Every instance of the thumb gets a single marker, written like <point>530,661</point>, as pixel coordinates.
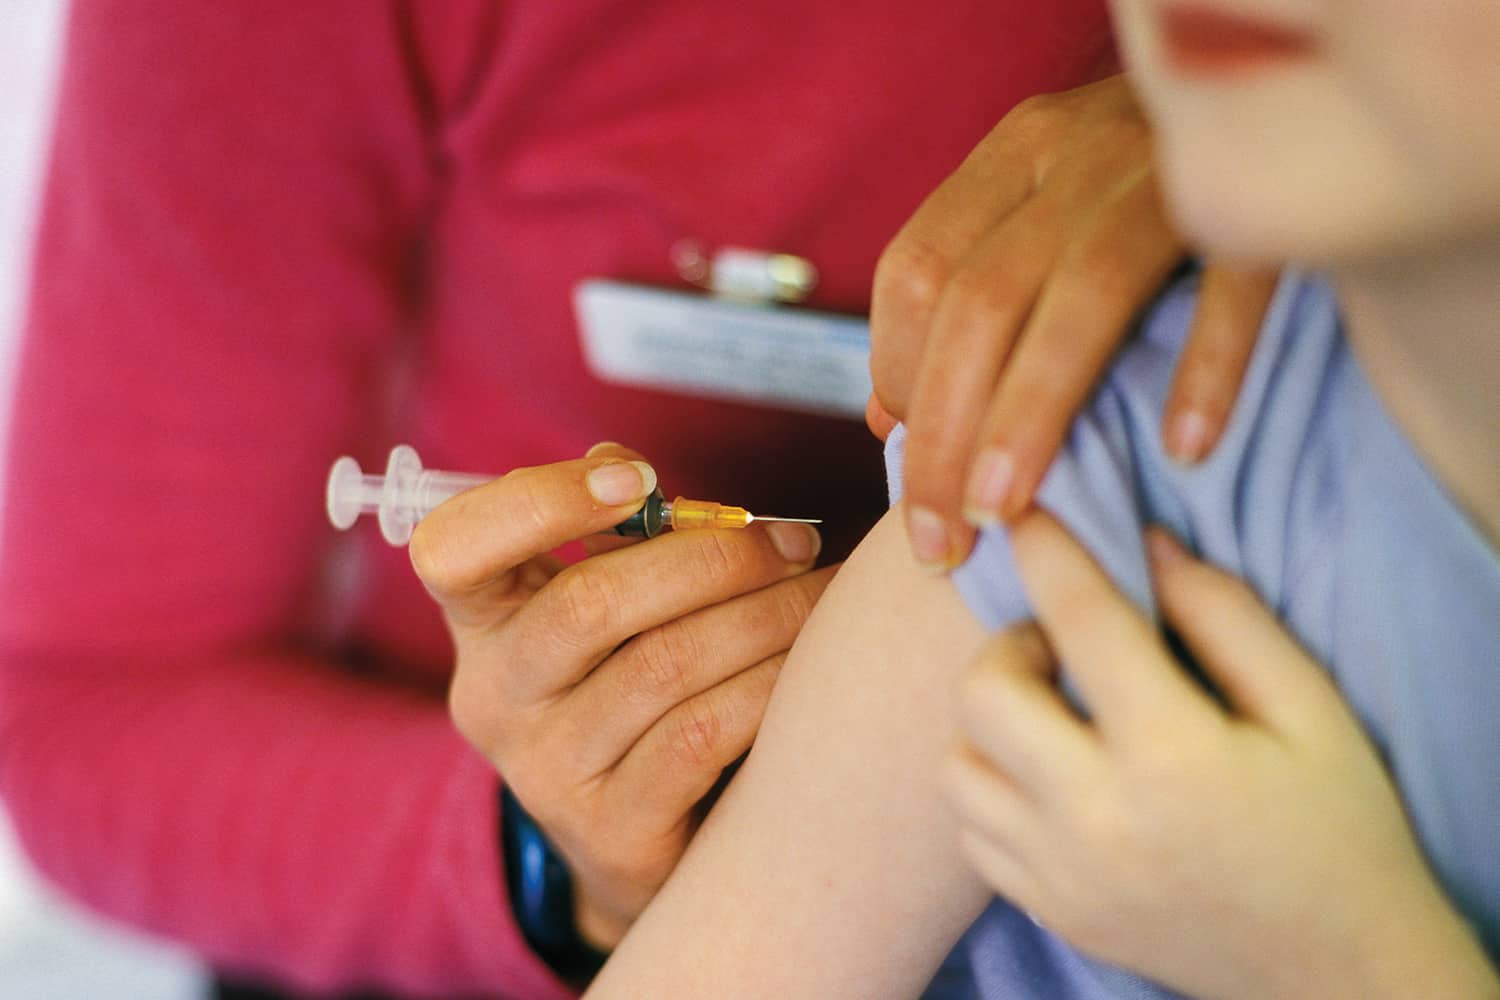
<point>1247,653</point>
<point>604,541</point>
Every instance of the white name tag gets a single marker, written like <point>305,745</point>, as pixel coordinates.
<point>721,349</point>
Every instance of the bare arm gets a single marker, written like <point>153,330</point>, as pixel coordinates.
<point>830,868</point>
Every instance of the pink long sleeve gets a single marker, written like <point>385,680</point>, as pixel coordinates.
<point>233,204</point>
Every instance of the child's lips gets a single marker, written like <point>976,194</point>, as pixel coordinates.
<point>1204,42</point>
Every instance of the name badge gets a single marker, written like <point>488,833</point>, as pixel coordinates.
<point>747,352</point>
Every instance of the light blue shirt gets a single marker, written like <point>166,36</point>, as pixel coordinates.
<point>1317,500</point>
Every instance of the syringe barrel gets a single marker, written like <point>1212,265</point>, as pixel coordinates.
<point>433,487</point>
<point>411,492</point>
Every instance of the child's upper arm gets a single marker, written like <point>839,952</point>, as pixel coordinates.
<point>830,867</point>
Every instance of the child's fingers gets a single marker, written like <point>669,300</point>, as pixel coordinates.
<point>1112,653</point>
<point>1010,710</point>
<point>999,824</point>
<point>1239,643</point>
<point>1002,870</point>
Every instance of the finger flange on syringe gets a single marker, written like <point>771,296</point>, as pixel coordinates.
<point>407,493</point>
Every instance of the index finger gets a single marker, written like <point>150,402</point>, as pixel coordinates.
<point>1112,652</point>
<point>471,542</point>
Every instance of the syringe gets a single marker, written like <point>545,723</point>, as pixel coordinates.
<point>407,493</point>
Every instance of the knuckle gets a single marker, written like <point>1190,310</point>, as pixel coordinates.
<point>980,301</point>
<point>794,603</point>
<point>1098,278</point>
<point>660,664</point>
<point>466,709</point>
<point>698,731</point>
<point>583,600</point>
<point>721,555</point>
<point>1194,585</point>
<point>934,461</point>
<point>1123,131</point>
<point>1036,411</point>
<point>910,275</point>
<point>1035,115</point>
<point>1210,363</point>
<point>528,508</point>
<point>436,558</point>
<point>1081,598</point>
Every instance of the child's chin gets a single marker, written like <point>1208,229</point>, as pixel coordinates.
<point>1237,221</point>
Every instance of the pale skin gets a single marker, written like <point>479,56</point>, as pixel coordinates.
<point>830,868</point>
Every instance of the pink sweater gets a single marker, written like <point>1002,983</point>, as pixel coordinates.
<point>277,231</point>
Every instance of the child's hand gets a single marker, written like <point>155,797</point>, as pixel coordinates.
<point>1257,850</point>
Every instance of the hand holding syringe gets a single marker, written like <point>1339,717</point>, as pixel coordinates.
<point>610,691</point>
<point>407,493</point>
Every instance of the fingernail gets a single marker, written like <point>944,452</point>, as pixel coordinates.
<point>929,538</point>
<point>989,485</point>
<point>596,449</point>
<point>1163,550</point>
<point>797,543</point>
<point>621,482</point>
<point>1187,437</point>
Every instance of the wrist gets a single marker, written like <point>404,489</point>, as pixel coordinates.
<point>541,896</point>
<point>1429,952</point>
<point>600,929</point>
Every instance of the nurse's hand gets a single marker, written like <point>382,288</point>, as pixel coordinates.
<point>998,305</point>
<point>610,694</point>
<point>1250,848</point>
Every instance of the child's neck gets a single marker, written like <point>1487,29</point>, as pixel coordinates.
<point>1427,332</point>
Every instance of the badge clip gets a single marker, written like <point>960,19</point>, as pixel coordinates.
<point>744,274</point>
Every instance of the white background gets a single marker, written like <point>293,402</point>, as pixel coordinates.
<point>49,949</point>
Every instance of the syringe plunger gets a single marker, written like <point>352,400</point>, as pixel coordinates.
<point>400,498</point>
